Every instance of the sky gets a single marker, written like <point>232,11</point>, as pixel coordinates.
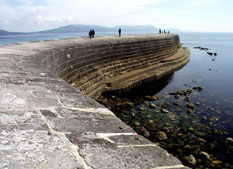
<point>187,15</point>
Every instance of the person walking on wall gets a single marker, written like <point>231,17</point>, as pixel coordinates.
<point>93,33</point>
<point>119,31</point>
<point>90,34</point>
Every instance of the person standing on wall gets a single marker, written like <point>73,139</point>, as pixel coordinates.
<point>119,31</point>
<point>90,34</point>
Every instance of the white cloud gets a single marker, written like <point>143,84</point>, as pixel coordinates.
<point>34,15</point>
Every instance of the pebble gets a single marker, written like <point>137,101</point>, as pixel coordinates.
<point>191,160</point>
<point>205,155</point>
<point>187,99</point>
<point>189,111</point>
<point>164,111</point>
<point>190,105</point>
<point>152,105</point>
<point>177,96</point>
<point>141,109</point>
<point>176,103</point>
<point>229,139</point>
<point>161,135</point>
<point>197,103</point>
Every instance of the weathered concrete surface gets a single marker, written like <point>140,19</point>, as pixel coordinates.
<point>46,123</point>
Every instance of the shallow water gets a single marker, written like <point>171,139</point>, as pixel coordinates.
<point>204,132</point>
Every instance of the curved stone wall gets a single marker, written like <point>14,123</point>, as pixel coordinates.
<point>47,123</point>
<point>87,64</point>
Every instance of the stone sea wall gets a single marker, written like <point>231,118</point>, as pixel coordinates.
<point>87,64</point>
<point>47,123</point>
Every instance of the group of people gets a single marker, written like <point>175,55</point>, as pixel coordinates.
<point>91,33</point>
<point>163,32</point>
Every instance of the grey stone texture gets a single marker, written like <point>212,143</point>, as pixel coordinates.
<point>47,123</point>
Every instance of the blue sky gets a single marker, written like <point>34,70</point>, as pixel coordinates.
<point>188,15</point>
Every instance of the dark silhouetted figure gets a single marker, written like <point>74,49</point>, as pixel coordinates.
<point>90,34</point>
<point>168,32</point>
<point>119,31</point>
<point>93,33</point>
<point>160,31</point>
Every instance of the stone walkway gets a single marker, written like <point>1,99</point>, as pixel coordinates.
<point>46,123</point>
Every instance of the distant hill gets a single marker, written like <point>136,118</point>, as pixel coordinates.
<point>6,33</point>
<point>97,28</point>
<point>85,28</point>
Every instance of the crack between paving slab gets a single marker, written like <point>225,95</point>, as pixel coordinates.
<point>137,145</point>
<point>92,110</point>
<point>72,148</point>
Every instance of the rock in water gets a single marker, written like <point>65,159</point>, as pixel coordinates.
<point>152,105</point>
<point>191,160</point>
<point>161,135</point>
<point>229,139</point>
<point>141,109</point>
<point>205,155</point>
<point>164,111</point>
<point>190,105</point>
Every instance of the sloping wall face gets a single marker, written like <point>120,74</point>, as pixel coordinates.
<point>88,63</point>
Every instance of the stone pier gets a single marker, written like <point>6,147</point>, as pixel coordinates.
<point>48,121</point>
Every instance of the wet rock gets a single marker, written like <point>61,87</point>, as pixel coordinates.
<point>131,104</point>
<point>217,162</point>
<point>136,123</point>
<point>229,139</point>
<point>152,105</point>
<point>205,155</point>
<point>152,98</point>
<point>197,103</point>
<point>190,90</point>
<point>198,88</point>
<point>190,105</point>
<point>167,124</point>
<point>215,54</point>
<point>213,119</point>
<point>151,121</point>
<point>177,96</point>
<point>145,132</point>
<point>202,140</point>
<point>161,135</point>
<point>172,118</point>
<point>113,97</point>
<point>164,111</point>
<point>191,160</point>
<point>188,147</point>
<point>166,105</point>
<point>165,129</point>
<point>176,103</point>
<point>141,109</point>
<point>210,53</point>
<point>187,99</point>
<point>204,118</point>
<point>189,111</point>
<point>180,92</point>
